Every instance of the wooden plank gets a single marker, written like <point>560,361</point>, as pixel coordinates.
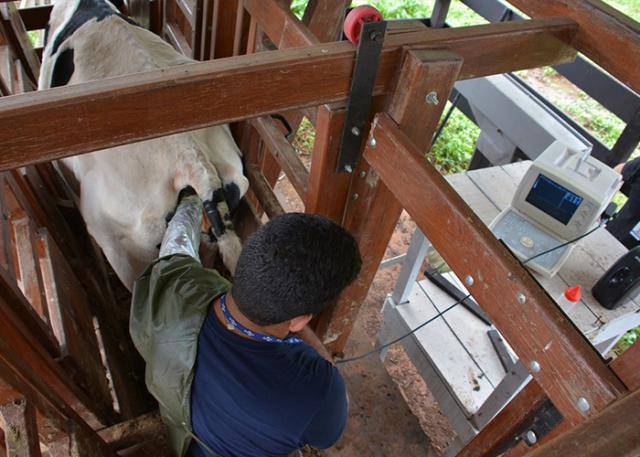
<point>192,96</point>
<point>29,368</point>
<point>285,154</point>
<point>76,323</point>
<point>264,192</point>
<point>35,18</point>
<point>606,35</point>
<point>612,432</point>
<point>224,28</point>
<point>12,27</point>
<point>20,429</point>
<point>26,266</point>
<point>507,424</point>
<point>324,18</point>
<point>537,330</point>
<point>627,367</point>
<point>129,433</point>
<point>372,216</point>
<point>328,190</point>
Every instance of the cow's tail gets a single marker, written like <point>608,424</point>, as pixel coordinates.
<point>222,228</point>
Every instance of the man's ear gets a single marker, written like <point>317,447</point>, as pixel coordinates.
<point>297,323</point>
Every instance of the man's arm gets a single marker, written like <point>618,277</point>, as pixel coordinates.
<point>183,231</point>
<point>308,336</point>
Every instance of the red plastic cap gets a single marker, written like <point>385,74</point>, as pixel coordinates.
<point>573,294</point>
<point>358,16</point>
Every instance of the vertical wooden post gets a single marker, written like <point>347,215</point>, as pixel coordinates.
<point>328,190</point>
<point>20,429</point>
<point>372,212</point>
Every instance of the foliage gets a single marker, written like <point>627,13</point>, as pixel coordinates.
<point>627,340</point>
<point>453,149</point>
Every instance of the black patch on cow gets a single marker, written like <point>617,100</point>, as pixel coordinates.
<point>118,4</point>
<point>63,69</point>
<point>46,34</point>
<point>86,11</point>
<point>232,195</point>
<point>218,195</point>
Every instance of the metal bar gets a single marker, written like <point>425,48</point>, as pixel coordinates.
<point>455,293</point>
<point>411,265</point>
<point>359,101</point>
<point>439,13</point>
<point>498,345</point>
<point>608,91</point>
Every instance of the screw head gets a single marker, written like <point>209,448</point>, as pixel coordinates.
<point>348,168</point>
<point>432,98</point>
<point>535,366</point>
<point>363,174</point>
<point>373,143</point>
<point>583,405</point>
<point>531,438</point>
<point>468,280</point>
<point>355,131</point>
<point>522,299</point>
<point>375,35</point>
<point>355,196</point>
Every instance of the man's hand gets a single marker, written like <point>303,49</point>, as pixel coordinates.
<point>308,336</point>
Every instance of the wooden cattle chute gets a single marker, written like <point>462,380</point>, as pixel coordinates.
<point>281,65</point>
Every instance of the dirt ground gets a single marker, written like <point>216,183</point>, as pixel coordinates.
<point>392,412</point>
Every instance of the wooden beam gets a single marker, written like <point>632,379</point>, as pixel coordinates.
<point>525,315</point>
<point>30,369</point>
<point>13,29</point>
<point>36,18</point>
<point>177,99</point>
<point>328,190</point>
<point>612,432</point>
<point>498,434</point>
<point>627,367</point>
<point>373,211</point>
<point>285,154</point>
<point>263,191</point>
<point>606,35</point>
<point>20,429</point>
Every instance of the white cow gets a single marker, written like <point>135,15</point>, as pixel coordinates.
<point>126,192</point>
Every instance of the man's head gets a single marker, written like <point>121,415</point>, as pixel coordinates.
<point>293,266</point>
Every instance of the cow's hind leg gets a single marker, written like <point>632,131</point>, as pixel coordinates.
<point>205,180</point>
<point>217,211</point>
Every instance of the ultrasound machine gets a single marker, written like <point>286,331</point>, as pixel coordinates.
<point>560,198</point>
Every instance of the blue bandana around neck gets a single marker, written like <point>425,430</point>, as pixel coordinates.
<point>234,324</point>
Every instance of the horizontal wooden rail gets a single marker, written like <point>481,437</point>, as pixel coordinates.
<point>284,153</point>
<point>525,315</point>
<point>71,120</point>
<point>606,35</point>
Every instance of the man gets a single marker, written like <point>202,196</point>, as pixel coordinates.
<point>235,369</point>
<point>626,225</point>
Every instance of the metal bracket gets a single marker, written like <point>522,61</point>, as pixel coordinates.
<point>541,422</point>
<point>359,103</point>
<point>451,290</point>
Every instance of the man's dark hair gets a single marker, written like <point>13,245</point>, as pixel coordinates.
<point>296,264</point>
